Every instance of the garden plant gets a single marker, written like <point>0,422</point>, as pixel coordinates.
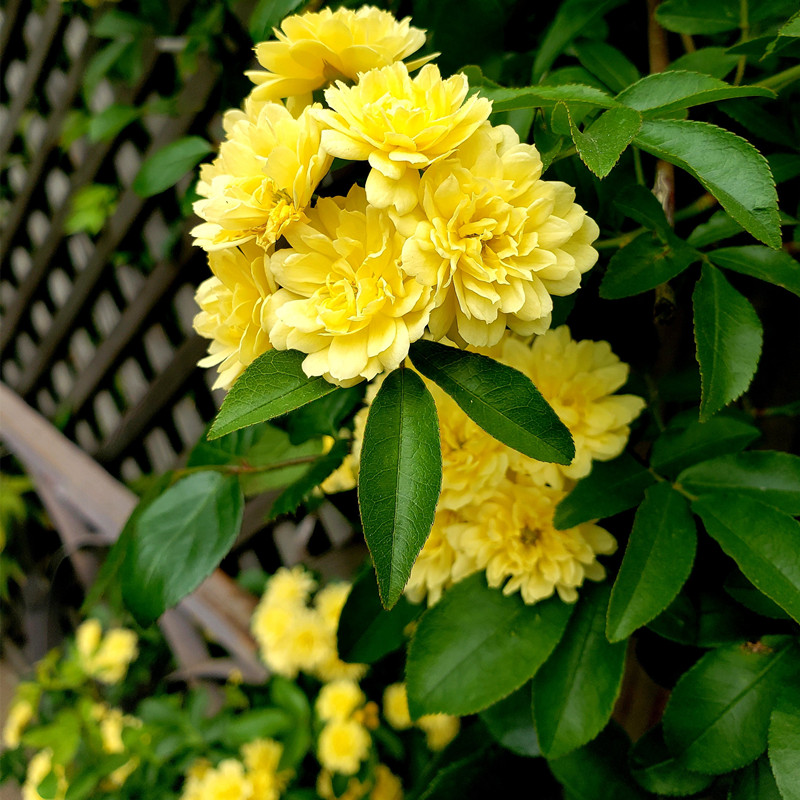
<point>516,289</point>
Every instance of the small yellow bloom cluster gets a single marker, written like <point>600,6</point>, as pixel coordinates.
<point>344,741</point>
<point>255,776</point>
<point>383,785</point>
<point>454,233</point>
<point>22,711</point>
<point>495,511</point>
<point>39,767</point>
<point>105,658</point>
<point>112,723</point>
<point>296,635</point>
<point>439,729</point>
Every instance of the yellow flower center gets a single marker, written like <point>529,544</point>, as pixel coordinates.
<point>281,211</point>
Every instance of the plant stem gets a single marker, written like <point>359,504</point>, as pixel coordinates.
<point>617,241</point>
<point>780,80</point>
<point>243,469</point>
<point>744,24</point>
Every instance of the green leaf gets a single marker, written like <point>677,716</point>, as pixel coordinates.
<point>90,207</point>
<point>773,266</point>
<point>500,399</point>
<point>460,668</point>
<point>167,166</point>
<point>699,16</point>
<point>680,447</point>
<point>109,122</point>
<point>541,96</point>
<point>728,166</point>
<point>764,475</point>
<point>62,735</point>
<point>324,416</point>
<point>760,539</point>
<point>572,17</point>
<point>641,204</point>
<point>784,742</point>
<point>607,63</point>
<point>599,770</point>
<point>719,226</point>
<point>673,90</point>
<point>367,631</point>
<point>658,771</point>
<point>399,478</point>
<point>192,525</point>
<point>116,24</point>
<point>728,335</point>
<point>717,716</point>
<point>100,64</point>
<point>714,61</point>
<point>602,143</point>
<point>743,591</point>
<point>657,561</point>
<point>575,689</point>
<point>297,492</point>
<point>643,264</point>
<point>48,786</point>
<point>755,782</point>
<point>286,694</point>
<point>272,385</point>
<point>268,14</point>
<point>510,721</point>
<point>609,488</point>
<point>789,30</point>
<point>256,724</point>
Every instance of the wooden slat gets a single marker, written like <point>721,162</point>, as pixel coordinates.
<point>160,394</point>
<point>33,176</point>
<point>85,287</point>
<point>42,52</point>
<point>8,31</point>
<point>135,317</point>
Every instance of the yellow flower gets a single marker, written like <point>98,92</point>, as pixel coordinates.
<point>355,789</point>
<point>339,700</point>
<point>401,125</point>
<point>395,706</point>
<point>578,379</point>
<point>494,240</point>
<point>105,658</point>
<point>225,782</point>
<point>263,178</point>
<point>511,536</point>
<point>440,729</point>
<point>343,745</point>
<point>314,49</point>
<point>387,785</point>
<point>262,757</point>
<point>235,310</point>
<point>39,767</point>
<point>433,571</point>
<point>346,300</point>
<point>18,717</point>
<point>290,586</point>
<point>195,775</point>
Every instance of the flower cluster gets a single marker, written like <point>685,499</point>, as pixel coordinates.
<point>454,233</point>
<point>296,635</point>
<point>495,511</point>
<point>254,776</point>
<point>344,741</point>
<point>105,657</point>
<point>439,729</point>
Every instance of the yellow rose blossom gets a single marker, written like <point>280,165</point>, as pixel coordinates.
<point>346,301</point>
<point>439,729</point>
<point>290,585</point>
<point>400,125</point>
<point>339,700</point>
<point>433,570</point>
<point>39,767</point>
<point>236,304</point>
<point>494,240</point>
<point>193,785</point>
<point>387,785</point>
<point>226,781</point>
<point>261,758</point>
<point>395,706</point>
<point>578,379</point>
<point>342,746</point>
<point>20,714</point>
<point>263,178</point>
<point>511,536</point>
<point>306,641</point>
<point>105,658</point>
<point>355,789</point>
<point>314,49</point>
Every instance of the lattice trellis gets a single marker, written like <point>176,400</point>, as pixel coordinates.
<point>96,330</point>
